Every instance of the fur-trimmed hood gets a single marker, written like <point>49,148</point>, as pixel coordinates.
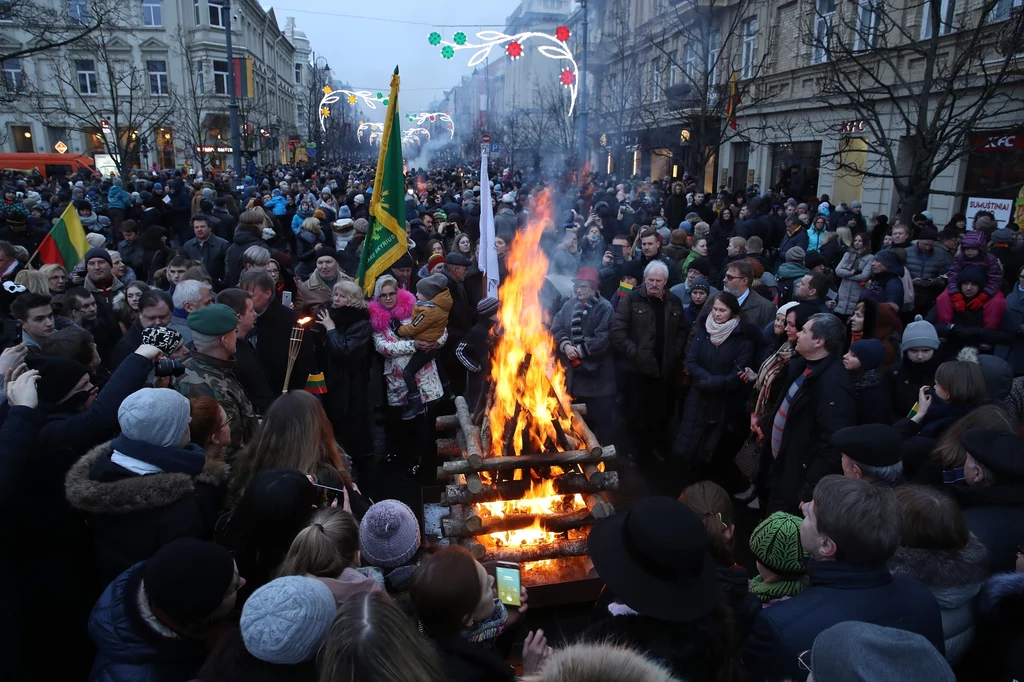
<point>380,317</point>
<point>1002,593</point>
<point>134,493</point>
<point>940,568</point>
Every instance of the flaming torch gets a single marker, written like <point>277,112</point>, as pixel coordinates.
<point>294,343</point>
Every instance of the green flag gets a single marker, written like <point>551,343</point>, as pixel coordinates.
<point>386,240</point>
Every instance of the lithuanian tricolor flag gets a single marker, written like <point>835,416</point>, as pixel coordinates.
<point>66,244</point>
<point>316,384</point>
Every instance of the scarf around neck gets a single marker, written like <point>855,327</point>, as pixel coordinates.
<point>767,592</point>
<point>720,332</point>
<point>188,460</point>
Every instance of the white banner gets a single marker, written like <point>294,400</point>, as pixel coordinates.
<point>1000,208</point>
<point>487,255</point>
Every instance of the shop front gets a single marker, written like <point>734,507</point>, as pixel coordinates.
<point>995,170</point>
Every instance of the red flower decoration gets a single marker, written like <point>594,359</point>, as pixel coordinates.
<point>514,49</point>
<point>431,119</point>
<point>567,77</point>
<point>562,33</point>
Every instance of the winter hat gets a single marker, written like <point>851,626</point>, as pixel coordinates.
<point>487,307</point>
<point>795,255</point>
<point>701,265</point>
<point>786,307</point>
<point>285,621</point>
<point>57,376</point>
<point>928,233</point>
<point>813,260</point>
<point>635,269</point>
<point>775,542</point>
<point>362,225</point>
<point>96,240</point>
<point>156,186</point>
<point>928,216</point>
<point>389,534</point>
<point>359,199</point>
<point>429,287</point>
<point>82,204</point>
<point>975,239</point>
<point>920,334</point>
<point>207,193</point>
<point>158,416</point>
<point>870,352</point>
<point>701,284</point>
<point>686,226</point>
<point>165,339</point>
<point>974,273</point>
<point>823,208</point>
<point>855,204</point>
<point>1002,236</point>
<point>434,261</point>
<point>187,579</point>
<point>854,651</point>
<point>344,211</point>
<point>97,253</point>
<point>405,261</point>
<point>889,259</point>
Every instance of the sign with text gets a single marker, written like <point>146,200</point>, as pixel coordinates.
<point>1000,208</point>
<point>999,142</point>
<point>849,127</point>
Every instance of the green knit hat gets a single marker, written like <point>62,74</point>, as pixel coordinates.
<point>775,542</point>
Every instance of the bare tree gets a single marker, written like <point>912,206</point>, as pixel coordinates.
<point>46,32</point>
<point>195,100</point>
<point>699,47</point>
<point>109,95</point>
<point>920,80</point>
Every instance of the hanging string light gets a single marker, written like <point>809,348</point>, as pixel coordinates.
<point>433,116</point>
<point>332,96</point>
<point>514,47</point>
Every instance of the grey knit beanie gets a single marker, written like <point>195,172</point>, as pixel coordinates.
<point>862,652</point>
<point>158,416</point>
<point>389,534</point>
<point>285,621</point>
<point>920,334</point>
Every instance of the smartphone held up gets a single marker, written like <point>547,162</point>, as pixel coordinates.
<point>509,581</point>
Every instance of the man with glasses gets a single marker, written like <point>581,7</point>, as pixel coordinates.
<point>851,528</point>
<point>648,330</point>
<point>754,308</point>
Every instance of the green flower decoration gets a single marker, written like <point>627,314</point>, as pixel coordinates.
<point>434,38</point>
<point>385,102</point>
<point>380,95</point>
<point>447,51</point>
<point>460,38</point>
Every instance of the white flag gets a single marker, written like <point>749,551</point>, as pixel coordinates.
<point>487,255</point>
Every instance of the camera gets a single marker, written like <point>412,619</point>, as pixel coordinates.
<point>167,367</point>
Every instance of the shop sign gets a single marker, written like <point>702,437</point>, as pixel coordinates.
<point>1000,142</point>
<point>1000,208</point>
<point>209,149</point>
<point>850,127</point>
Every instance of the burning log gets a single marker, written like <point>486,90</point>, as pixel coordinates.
<point>448,447</point>
<point>474,450</point>
<point>600,479</point>
<point>580,408</point>
<point>446,422</point>
<point>584,431</point>
<point>555,550</point>
<point>454,526</point>
<point>471,480</point>
<point>599,505</point>
<point>525,461</point>
<point>475,548</point>
<point>566,484</point>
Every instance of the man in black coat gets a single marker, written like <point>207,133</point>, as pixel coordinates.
<point>650,250</point>
<point>461,318</point>
<point>818,401</point>
<point>208,249</point>
<point>247,364</point>
<point>851,529</point>
<point>155,310</point>
<point>272,334</point>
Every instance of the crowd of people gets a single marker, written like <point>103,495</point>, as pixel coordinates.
<point>188,491</point>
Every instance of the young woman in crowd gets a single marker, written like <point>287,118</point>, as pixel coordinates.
<point>853,270</point>
<point>714,507</point>
<point>56,278</point>
<point>328,549</point>
<point>937,548</point>
<point>210,427</point>
<point>126,304</point>
<point>712,427</point>
<point>871,320</point>
<point>342,355</point>
<point>455,603</point>
<point>920,343</point>
<point>371,640</point>
<point>699,250</point>
<point>296,434</point>
<point>33,280</point>
<point>862,361</point>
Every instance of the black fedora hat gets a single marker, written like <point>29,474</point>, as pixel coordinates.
<point>655,560</point>
<point>1000,452</point>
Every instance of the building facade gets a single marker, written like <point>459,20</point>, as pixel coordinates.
<point>152,84</point>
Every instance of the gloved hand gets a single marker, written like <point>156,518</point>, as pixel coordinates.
<point>394,323</point>
<point>958,302</point>
<point>978,302</point>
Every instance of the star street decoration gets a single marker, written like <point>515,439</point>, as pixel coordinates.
<point>375,130</point>
<point>332,96</point>
<point>433,116</point>
<point>514,47</point>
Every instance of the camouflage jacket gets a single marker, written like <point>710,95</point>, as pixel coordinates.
<point>210,377</point>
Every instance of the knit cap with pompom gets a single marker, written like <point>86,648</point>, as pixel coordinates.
<point>389,534</point>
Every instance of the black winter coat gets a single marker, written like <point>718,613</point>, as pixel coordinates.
<point>838,592</point>
<point>213,255</point>
<point>873,405</point>
<point>243,239</point>
<point>996,515</point>
<point>904,381</point>
<point>634,331</point>
<point>717,395</point>
<point>133,516</point>
<point>343,356</point>
<point>824,404</point>
<point>273,333</point>
<point>466,661</point>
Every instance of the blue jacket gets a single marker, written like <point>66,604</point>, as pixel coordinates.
<point>838,592</point>
<point>117,197</point>
<point>278,204</point>
<point>128,648</point>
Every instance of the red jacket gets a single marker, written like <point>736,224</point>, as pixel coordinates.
<point>991,312</point>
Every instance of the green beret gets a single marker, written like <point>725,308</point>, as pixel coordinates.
<point>213,320</point>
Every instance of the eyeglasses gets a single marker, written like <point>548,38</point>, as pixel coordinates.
<point>391,295</point>
<point>582,285</point>
<point>730,278</point>
<point>804,661</point>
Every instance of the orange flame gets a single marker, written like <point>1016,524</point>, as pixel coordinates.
<point>524,370</point>
<point>542,500</point>
<point>303,321</point>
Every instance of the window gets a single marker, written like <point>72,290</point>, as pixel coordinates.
<point>22,138</point>
<point>867,26</point>
<point>1000,12</point>
<point>795,166</point>
<point>157,71</point>
<point>195,9</point>
<point>712,59</point>
<point>152,14</point>
<point>14,77</point>
<point>218,13</point>
<point>673,69</point>
<point>947,8</point>
<point>690,62</point>
<point>298,73</point>
<point>220,77</point>
<point>200,78</point>
<point>656,79</point>
<point>749,47</point>
<point>86,69</point>
<point>5,10</point>
<point>78,11</point>
<point>824,17</point>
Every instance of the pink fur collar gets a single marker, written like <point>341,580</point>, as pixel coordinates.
<point>381,316</point>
